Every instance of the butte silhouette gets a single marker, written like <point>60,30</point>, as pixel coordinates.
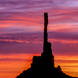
<point>43,66</point>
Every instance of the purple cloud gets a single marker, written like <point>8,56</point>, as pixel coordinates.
<point>22,42</point>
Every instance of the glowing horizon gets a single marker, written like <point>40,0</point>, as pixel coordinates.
<point>14,65</point>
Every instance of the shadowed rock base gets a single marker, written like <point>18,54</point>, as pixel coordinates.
<point>43,66</point>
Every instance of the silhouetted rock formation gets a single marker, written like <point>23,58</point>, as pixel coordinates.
<point>43,66</point>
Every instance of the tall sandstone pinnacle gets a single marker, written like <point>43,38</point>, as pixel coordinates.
<point>46,60</point>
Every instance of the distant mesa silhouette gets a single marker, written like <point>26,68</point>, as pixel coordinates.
<point>43,66</point>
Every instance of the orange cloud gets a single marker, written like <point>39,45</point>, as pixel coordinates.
<point>64,41</point>
<point>10,69</point>
<point>69,64</point>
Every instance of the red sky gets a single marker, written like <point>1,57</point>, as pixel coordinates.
<point>21,33</point>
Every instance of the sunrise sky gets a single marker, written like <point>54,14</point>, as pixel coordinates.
<point>21,34</point>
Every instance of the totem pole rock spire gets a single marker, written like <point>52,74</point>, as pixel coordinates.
<point>45,27</point>
<point>45,30</point>
<point>47,51</point>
